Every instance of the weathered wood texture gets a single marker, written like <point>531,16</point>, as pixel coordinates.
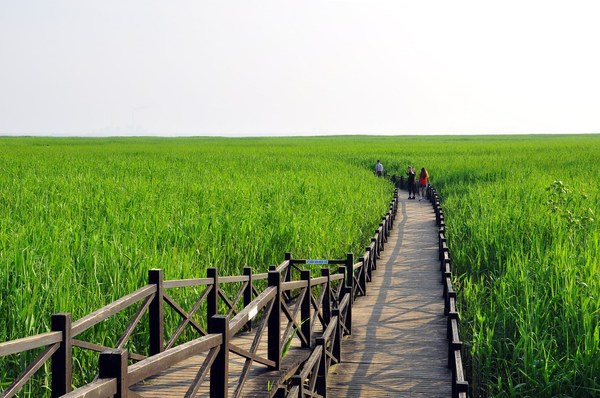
<point>175,381</point>
<point>398,346</point>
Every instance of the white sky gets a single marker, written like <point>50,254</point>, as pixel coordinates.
<point>278,67</point>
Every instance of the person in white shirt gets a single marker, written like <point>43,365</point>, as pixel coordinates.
<point>379,169</point>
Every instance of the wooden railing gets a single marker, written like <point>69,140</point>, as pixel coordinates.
<point>261,302</point>
<point>311,380</point>
<point>459,384</point>
<point>258,301</point>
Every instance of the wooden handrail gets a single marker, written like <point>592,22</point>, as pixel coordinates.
<point>260,276</point>
<point>281,267</point>
<point>336,277</point>
<point>159,362</point>
<point>233,279</point>
<point>285,286</point>
<point>311,361</point>
<point>330,328</point>
<point>101,348</point>
<point>187,282</point>
<point>459,384</point>
<point>105,312</point>
<point>101,388</point>
<point>318,280</point>
<point>293,393</point>
<point>33,367</point>
<point>29,343</point>
<point>250,311</point>
<point>344,302</point>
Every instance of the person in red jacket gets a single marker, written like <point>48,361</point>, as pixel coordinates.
<point>423,181</point>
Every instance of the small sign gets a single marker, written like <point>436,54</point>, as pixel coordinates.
<point>317,262</point>
<point>252,313</point>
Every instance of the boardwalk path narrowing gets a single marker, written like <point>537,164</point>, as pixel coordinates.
<point>398,346</point>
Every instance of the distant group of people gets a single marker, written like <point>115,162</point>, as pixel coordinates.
<point>413,189</point>
<point>412,183</point>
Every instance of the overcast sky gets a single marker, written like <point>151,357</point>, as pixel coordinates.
<point>243,67</point>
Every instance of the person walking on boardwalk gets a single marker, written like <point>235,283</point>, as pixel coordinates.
<point>423,181</point>
<point>412,186</point>
<point>379,169</point>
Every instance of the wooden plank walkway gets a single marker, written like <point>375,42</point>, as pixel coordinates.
<point>398,346</point>
<point>175,381</point>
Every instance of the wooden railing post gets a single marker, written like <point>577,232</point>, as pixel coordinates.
<point>349,289</point>
<point>288,276</point>
<point>113,364</point>
<point>348,317</point>
<point>156,313</point>
<point>219,370</point>
<point>374,253</point>
<point>341,270</point>
<point>305,318</point>
<point>248,293</point>
<point>274,322</point>
<point>444,257</point>
<point>212,300</point>
<point>350,275</point>
<point>363,275</point>
<point>62,360</point>
<point>453,346</point>
<point>448,296</point>
<point>337,342</point>
<point>369,263</point>
<point>441,240</point>
<point>451,315</point>
<point>327,296</point>
<point>297,381</point>
<point>321,385</point>
<point>446,270</point>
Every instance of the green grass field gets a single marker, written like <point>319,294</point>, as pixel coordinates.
<point>82,220</point>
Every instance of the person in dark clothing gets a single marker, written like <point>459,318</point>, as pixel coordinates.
<point>412,186</point>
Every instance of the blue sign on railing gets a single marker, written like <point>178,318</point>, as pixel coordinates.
<point>317,262</point>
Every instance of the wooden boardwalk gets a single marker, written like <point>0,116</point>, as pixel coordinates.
<point>398,346</point>
<point>392,341</point>
<point>175,381</point>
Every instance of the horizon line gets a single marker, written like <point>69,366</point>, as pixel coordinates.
<point>279,135</point>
